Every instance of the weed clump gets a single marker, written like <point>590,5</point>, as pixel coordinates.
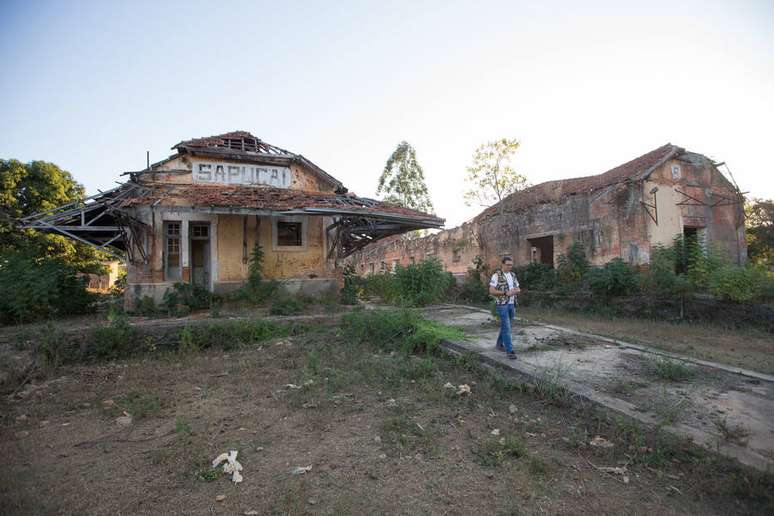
<point>398,330</point>
<point>139,405</point>
<point>114,340</point>
<point>229,336</point>
<point>670,370</point>
<point>493,452</point>
<point>288,306</point>
<point>183,298</point>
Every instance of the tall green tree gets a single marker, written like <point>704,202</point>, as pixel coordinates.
<point>759,228</point>
<point>491,177</point>
<point>28,188</point>
<point>403,181</point>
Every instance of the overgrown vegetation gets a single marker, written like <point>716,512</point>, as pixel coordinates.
<point>671,370</point>
<point>118,339</point>
<point>397,330</point>
<point>257,290</point>
<point>183,298</point>
<point>417,284</point>
<point>675,272</point>
<point>39,288</point>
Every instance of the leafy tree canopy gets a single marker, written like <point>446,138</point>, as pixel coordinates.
<point>491,177</point>
<point>403,181</point>
<point>28,188</point>
<point>759,228</point>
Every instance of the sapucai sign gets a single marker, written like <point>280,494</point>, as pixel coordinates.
<point>250,175</point>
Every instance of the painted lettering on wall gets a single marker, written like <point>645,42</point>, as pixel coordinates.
<point>250,175</point>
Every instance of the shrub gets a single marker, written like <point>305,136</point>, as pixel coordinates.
<point>32,289</point>
<point>572,266</point>
<point>257,290</point>
<point>473,289</point>
<point>351,290</point>
<point>147,307</point>
<point>537,276</point>
<point>288,306</point>
<point>616,278</point>
<point>737,284</point>
<point>663,280</point>
<point>421,283</point>
<point>114,340</point>
<point>182,298</point>
<point>53,346</point>
<point>381,285</point>
<point>392,330</point>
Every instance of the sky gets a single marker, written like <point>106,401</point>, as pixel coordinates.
<point>92,86</point>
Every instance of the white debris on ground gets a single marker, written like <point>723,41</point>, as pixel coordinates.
<point>463,389</point>
<point>301,470</point>
<point>230,465</point>
<point>496,432</point>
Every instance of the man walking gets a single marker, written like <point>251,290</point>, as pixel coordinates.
<point>504,286</point>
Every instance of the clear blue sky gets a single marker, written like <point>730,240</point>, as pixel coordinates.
<point>584,86</point>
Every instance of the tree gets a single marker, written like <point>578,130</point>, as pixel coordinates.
<point>491,177</point>
<point>28,188</point>
<point>759,228</point>
<point>403,182</point>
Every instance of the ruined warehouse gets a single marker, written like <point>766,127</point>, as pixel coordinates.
<point>196,216</point>
<point>622,213</point>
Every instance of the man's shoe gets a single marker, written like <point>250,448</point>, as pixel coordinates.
<point>511,356</point>
<point>499,347</point>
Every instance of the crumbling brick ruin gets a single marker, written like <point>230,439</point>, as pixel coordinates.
<point>622,213</point>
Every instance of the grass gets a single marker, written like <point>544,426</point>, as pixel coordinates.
<point>670,370</point>
<point>737,434</point>
<point>182,426</point>
<point>493,452</point>
<point>549,386</point>
<point>208,474</point>
<point>398,330</point>
<point>138,405</point>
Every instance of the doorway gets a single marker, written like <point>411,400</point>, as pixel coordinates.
<point>200,254</point>
<point>542,250</point>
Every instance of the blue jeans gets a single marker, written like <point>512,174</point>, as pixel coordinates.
<point>507,314</point>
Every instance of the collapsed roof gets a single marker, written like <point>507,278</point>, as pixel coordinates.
<point>552,191</point>
<point>108,220</point>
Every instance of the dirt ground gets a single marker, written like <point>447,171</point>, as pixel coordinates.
<point>380,431</point>
<point>751,349</point>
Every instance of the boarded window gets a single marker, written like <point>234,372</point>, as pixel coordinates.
<point>289,234</point>
<point>172,251</point>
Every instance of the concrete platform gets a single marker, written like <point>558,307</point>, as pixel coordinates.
<point>620,376</point>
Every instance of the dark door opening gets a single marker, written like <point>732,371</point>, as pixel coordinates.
<point>200,254</point>
<point>542,250</point>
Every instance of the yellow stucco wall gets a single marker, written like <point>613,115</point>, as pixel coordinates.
<point>278,263</point>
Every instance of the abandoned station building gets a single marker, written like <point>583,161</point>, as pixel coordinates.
<point>622,213</point>
<point>196,216</point>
